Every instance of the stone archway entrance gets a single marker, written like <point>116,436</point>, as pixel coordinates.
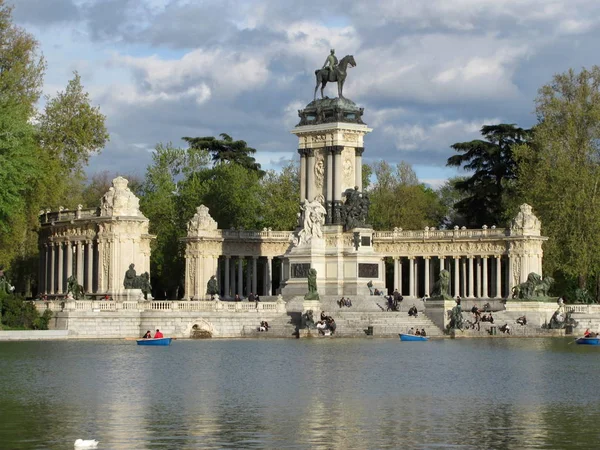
<point>201,329</point>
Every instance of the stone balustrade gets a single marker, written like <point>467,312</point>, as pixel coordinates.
<point>161,305</point>
<point>432,233</point>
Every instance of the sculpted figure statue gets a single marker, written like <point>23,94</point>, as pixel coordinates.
<point>355,209</point>
<point>212,287</point>
<point>534,287</point>
<point>74,288</point>
<point>130,276</point>
<point>314,220</point>
<point>5,286</point>
<point>331,64</point>
<point>312,285</point>
<point>308,319</point>
<point>442,287</point>
<point>456,318</point>
<point>333,71</point>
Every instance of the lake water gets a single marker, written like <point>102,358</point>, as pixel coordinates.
<point>322,393</point>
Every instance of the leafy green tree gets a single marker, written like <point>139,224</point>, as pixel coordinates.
<point>280,197</point>
<point>71,129</point>
<point>559,173</point>
<point>449,196</point>
<point>494,173</point>
<point>399,200</point>
<point>226,150</point>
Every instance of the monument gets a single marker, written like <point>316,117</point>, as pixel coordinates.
<point>332,238</point>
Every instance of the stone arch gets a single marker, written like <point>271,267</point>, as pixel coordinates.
<point>200,329</point>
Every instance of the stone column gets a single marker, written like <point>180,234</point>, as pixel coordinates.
<point>329,198</point>
<point>302,174</point>
<point>310,174</point>
<point>456,276</point>
<point>484,294</point>
<point>470,294</point>
<point>442,261</point>
<point>240,280</point>
<point>44,279</point>
<point>52,267</point>
<point>89,282</point>
<point>498,276</point>
<point>396,273</point>
<point>337,181</point>
<point>268,276</point>
<point>226,273</point>
<point>416,285</point>
<point>358,151</point>
<point>478,276</point>
<point>464,276</point>
<point>61,273</point>
<point>69,250</point>
<point>79,262</point>
<point>254,275</point>
<point>411,276</point>
<point>426,260</point>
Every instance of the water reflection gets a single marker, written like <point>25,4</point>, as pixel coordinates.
<point>502,393</point>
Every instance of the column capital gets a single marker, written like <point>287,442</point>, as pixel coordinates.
<point>309,152</point>
<point>358,151</point>
<point>457,257</point>
<point>255,257</point>
<point>337,149</point>
<point>441,258</point>
<point>426,257</point>
<point>498,256</point>
<point>302,152</point>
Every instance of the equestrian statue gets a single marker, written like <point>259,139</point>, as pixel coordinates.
<point>332,71</point>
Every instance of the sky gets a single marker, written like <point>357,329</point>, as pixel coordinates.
<point>429,73</point>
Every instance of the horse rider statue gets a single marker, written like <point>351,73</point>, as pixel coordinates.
<point>331,64</point>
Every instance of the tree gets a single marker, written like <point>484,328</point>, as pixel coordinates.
<point>280,197</point>
<point>494,172</point>
<point>559,172</point>
<point>71,129</point>
<point>449,196</point>
<point>226,150</point>
<point>399,200</point>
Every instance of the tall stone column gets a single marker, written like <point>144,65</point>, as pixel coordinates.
<point>427,279</point>
<point>471,294</point>
<point>329,197</point>
<point>302,174</point>
<point>52,267</point>
<point>485,294</point>
<point>240,280</point>
<point>478,277</point>
<point>358,151</point>
<point>464,276</point>
<point>61,272</point>
<point>226,273</point>
<point>337,182</point>
<point>69,250</point>
<point>79,261</point>
<point>397,274</point>
<point>89,281</point>
<point>248,277</point>
<point>411,276</point>
<point>268,276</point>
<point>254,275</point>
<point>456,276</point>
<point>498,276</point>
<point>232,278</point>
<point>442,263</point>
<point>46,268</point>
<point>310,174</point>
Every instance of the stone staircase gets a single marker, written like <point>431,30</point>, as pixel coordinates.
<point>385,324</point>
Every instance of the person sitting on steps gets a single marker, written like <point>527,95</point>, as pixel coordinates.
<point>522,320</point>
<point>412,312</point>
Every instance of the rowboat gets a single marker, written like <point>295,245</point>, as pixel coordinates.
<point>588,341</point>
<point>412,337</point>
<point>154,341</point>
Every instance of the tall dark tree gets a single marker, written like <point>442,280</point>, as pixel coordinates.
<point>226,150</point>
<point>491,187</point>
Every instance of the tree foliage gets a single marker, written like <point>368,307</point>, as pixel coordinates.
<point>280,197</point>
<point>491,186</point>
<point>399,200</point>
<point>559,172</point>
<point>226,150</point>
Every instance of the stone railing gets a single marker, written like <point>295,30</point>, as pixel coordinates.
<point>254,235</point>
<point>583,309</point>
<point>432,233</point>
<point>161,305</point>
<point>66,215</point>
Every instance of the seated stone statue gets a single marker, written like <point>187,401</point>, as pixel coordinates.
<point>74,288</point>
<point>442,287</point>
<point>212,287</point>
<point>130,276</point>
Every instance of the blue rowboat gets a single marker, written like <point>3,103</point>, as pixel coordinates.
<point>588,341</point>
<point>413,337</point>
<point>152,341</point>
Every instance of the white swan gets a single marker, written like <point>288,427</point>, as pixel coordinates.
<point>86,443</point>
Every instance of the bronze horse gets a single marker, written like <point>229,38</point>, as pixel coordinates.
<point>339,75</point>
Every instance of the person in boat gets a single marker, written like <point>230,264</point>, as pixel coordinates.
<point>423,332</point>
<point>417,332</point>
<point>148,335</point>
<point>587,333</point>
<point>158,334</point>
<point>411,331</point>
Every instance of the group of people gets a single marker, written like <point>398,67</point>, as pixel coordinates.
<point>344,302</point>
<point>417,332</point>
<point>326,326</point>
<point>157,335</point>
<point>590,334</point>
<point>394,300</point>
<point>412,311</point>
<point>264,326</point>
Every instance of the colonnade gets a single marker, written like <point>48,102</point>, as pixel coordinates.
<point>470,276</point>
<point>61,259</point>
<point>240,275</point>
